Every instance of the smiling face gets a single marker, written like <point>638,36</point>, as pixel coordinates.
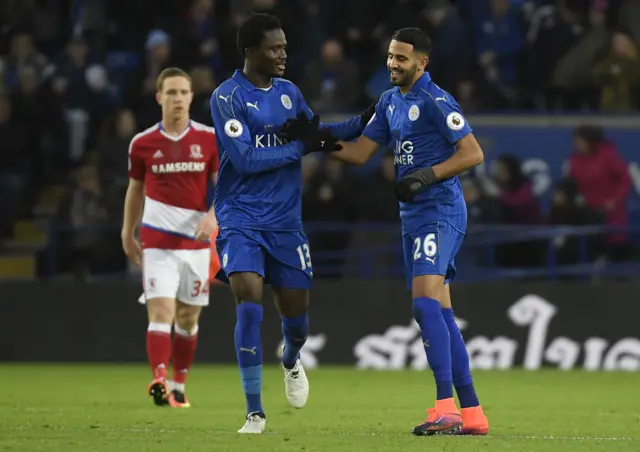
<point>405,64</point>
<point>270,57</point>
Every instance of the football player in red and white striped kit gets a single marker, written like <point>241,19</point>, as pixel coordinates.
<point>170,167</point>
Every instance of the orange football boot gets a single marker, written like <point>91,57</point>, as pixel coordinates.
<point>159,387</point>
<point>178,399</point>
<point>474,422</point>
<point>443,419</point>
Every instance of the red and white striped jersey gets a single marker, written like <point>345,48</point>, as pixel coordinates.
<point>176,171</point>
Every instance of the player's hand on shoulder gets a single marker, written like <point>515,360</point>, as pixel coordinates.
<point>132,248</point>
<point>366,115</point>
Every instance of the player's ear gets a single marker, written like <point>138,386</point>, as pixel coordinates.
<point>425,61</point>
<point>159,97</point>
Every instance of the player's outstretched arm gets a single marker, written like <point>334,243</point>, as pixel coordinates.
<point>228,116</point>
<point>356,153</point>
<point>346,130</point>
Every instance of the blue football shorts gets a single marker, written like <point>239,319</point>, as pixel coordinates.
<point>282,258</point>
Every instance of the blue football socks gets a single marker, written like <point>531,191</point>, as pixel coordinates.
<point>460,363</point>
<point>435,337</point>
<point>248,342</point>
<point>294,331</point>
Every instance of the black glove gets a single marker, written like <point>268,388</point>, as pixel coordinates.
<point>415,183</point>
<point>295,128</point>
<point>319,140</point>
<point>366,115</point>
<point>313,137</point>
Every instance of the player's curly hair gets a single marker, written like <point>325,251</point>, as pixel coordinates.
<point>252,30</point>
<point>420,41</point>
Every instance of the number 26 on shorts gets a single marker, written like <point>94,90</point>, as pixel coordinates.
<point>427,247</point>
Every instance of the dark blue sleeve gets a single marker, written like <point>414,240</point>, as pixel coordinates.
<point>233,134</point>
<point>347,130</point>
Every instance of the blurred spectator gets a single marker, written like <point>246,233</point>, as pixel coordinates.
<point>500,43</point>
<point>603,179</point>
<point>23,54</point>
<point>201,36</point>
<point>572,81</point>
<point>518,206</point>
<point>379,81</point>
<point>452,52</point>
<point>203,83</point>
<point>113,149</point>
<point>619,75</point>
<point>36,107</point>
<point>629,19</point>
<point>85,245</point>
<point>329,198</point>
<point>568,209</point>
<point>13,169</point>
<point>332,84</point>
<point>481,208</point>
<point>555,29</point>
<point>82,89</point>
<point>143,88</point>
<point>518,202</point>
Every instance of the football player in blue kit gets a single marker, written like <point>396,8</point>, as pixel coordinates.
<point>258,203</point>
<point>433,144</point>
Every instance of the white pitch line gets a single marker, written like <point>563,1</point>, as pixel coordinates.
<point>343,433</point>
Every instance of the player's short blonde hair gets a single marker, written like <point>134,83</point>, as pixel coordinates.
<point>169,73</point>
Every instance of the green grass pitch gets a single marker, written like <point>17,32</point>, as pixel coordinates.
<point>97,408</point>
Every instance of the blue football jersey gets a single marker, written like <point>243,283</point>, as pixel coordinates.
<point>423,127</point>
<point>260,180</point>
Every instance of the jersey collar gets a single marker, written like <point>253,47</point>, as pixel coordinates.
<point>420,84</point>
<point>171,137</point>
<point>239,77</point>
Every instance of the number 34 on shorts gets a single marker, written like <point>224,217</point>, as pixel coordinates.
<point>431,250</point>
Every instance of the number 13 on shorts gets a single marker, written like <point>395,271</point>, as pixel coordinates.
<point>305,256</point>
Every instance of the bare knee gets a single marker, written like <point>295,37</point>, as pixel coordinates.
<point>161,310</point>
<point>291,302</point>
<point>187,316</point>
<point>429,286</point>
<point>247,287</point>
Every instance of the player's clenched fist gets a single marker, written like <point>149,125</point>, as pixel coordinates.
<point>132,248</point>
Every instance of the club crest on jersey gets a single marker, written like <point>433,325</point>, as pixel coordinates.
<point>152,284</point>
<point>455,121</point>
<point>414,113</point>
<point>286,102</point>
<point>233,128</point>
<point>196,151</point>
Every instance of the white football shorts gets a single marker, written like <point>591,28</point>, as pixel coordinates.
<point>179,274</point>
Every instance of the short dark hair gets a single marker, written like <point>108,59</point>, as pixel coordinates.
<point>420,41</point>
<point>170,72</point>
<point>252,30</point>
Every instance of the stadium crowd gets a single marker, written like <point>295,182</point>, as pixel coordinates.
<point>77,81</point>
